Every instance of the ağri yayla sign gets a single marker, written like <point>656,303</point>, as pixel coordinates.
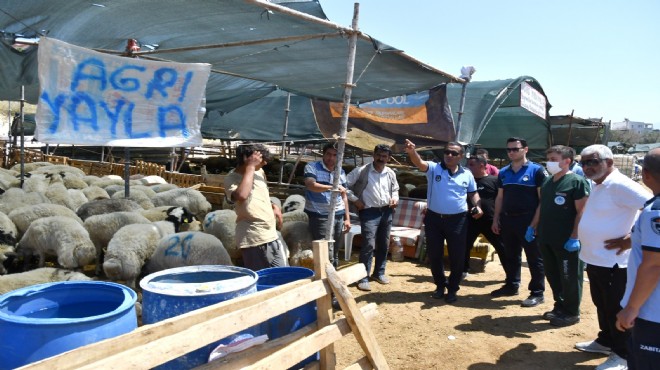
<point>91,98</point>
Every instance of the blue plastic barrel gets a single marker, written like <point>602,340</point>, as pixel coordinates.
<point>176,291</point>
<point>294,319</point>
<point>44,320</point>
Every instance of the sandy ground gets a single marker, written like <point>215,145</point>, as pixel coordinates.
<point>477,332</point>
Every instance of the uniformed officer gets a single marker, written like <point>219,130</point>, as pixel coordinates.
<point>515,219</point>
<point>642,297</point>
<point>449,187</point>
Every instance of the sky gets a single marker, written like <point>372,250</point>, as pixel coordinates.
<point>600,59</point>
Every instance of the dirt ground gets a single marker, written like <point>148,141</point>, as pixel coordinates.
<point>477,332</point>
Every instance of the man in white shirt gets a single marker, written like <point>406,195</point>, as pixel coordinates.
<point>375,192</point>
<point>604,232</point>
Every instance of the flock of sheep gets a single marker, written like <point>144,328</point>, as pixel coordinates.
<point>72,220</point>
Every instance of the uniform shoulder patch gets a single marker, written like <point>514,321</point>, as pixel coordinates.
<point>656,203</point>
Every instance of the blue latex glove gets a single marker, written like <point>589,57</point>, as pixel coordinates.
<point>529,234</point>
<point>572,245</point>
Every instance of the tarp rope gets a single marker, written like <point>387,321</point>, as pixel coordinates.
<point>367,66</point>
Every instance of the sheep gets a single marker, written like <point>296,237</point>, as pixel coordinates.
<point>293,202</point>
<point>38,276</point>
<point>191,199</point>
<point>182,218</point>
<point>298,215</point>
<point>147,190</point>
<point>104,181</point>
<point>61,236</point>
<point>72,181</point>
<point>136,195</point>
<point>297,237</point>
<point>188,249</point>
<point>59,169</point>
<point>37,183</point>
<point>222,225</point>
<point>102,227</point>
<point>15,197</point>
<point>100,206</point>
<point>130,247</point>
<point>112,189</point>
<point>22,217</point>
<point>59,194</point>
<point>153,179</point>
<point>28,167</point>
<point>276,201</point>
<point>160,188</point>
<point>94,192</point>
<point>8,235</point>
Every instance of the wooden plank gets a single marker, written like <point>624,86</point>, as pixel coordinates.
<point>248,357</point>
<point>361,364</point>
<point>324,315</point>
<point>360,327</point>
<point>152,345</point>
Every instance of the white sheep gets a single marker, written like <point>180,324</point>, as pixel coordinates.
<point>130,247</point>
<point>193,200</point>
<point>15,197</point>
<point>94,192</point>
<point>58,194</point>
<point>104,181</point>
<point>103,227</point>
<point>136,195</point>
<point>297,215</point>
<point>60,236</point>
<point>293,202</point>
<point>147,190</point>
<point>38,276</point>
<point>22,217</point>
<point>28,167</point>
<point>188,249</point>
<point>100,206</point>
<point>37,183</point>
<point>59,169</point>
<point>222,225</point>
<point>8,235</point>
<point>160,188</point>
<point>297,237</point>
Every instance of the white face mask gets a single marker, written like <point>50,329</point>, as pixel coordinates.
<point>553,167</point>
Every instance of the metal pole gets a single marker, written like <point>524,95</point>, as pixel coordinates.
<point>285,134</point>
<point>460,110</point>
<point>22,106</point>
<point>127,172</point>
<point>570,128</point>
<point>341,142</point>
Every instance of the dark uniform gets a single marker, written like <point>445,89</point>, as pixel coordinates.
<point>487,187</point>
<point>563,269</point>
<point>520,199</point>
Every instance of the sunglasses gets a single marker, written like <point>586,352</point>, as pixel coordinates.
<point>591,162</point>
<point>513,150</point>
<point>452,153</point>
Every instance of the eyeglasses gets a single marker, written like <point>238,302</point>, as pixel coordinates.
<point>513,150</point>
<point>591,162</point>
<point>452,153</point>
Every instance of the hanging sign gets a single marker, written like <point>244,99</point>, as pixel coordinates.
<point>532,100</point>
<point>92,98</point>
<point>401,110</point>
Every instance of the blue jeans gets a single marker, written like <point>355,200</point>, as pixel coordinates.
<point>318,224</point>
<point>376,224</point>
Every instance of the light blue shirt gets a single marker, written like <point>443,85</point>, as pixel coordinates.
<point>645,237</point>
<point>447,193</point>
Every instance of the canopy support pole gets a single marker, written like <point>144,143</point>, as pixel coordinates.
<point>570,128</point>
<point>328,360</point>
<point>22,125</point>
<point>460,110</point>
<point>285,134</point>
<point>127,172</point>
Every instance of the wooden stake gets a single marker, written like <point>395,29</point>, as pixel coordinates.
<point>360,327</point>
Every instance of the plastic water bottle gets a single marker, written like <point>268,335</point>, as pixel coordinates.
<point>396,249</point>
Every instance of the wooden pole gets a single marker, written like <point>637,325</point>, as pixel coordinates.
<point>570,128</point>
<point>285,134</point>
<point>324,304</point>
<point>341,142</point>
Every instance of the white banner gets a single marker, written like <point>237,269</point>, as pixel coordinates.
<point>91,98</point>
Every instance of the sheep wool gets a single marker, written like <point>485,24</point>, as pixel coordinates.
<point>188,249</point>
<point>60,236</point>
<point>38,276</point>
<point>222,225</point>
<point>129,249</point>
<point>136,195</point>
<point>8,234</point>
<point>193,200</point>
<point>100,206</point>
<point>293,202</point>
<point>22,217</point>
<point>102,228</point>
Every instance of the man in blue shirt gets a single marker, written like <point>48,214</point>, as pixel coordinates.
<point>516,217</point>
<point>641,300</point>
<point>449,187</point>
